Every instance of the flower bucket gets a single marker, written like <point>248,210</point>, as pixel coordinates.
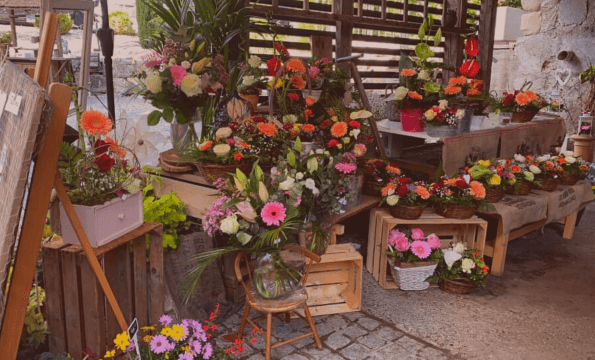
<point>406,212</point>
<point>252,99</point>
<point>412,276</point>
<point>455,211</point>
<point>464,125</point>
<point>494,195</point>
<point>457,286</point>
<point>355,189</point>
<point>441,131</point>
<point>411,120</point>
<point>106,222</point>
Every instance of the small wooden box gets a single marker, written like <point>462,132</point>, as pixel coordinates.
<point>470,231</point>
<point>334,285</point>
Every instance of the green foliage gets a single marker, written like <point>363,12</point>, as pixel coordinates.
<point>64,20</point>
<point>5,37</point>
<point>588,74</point>
<point>511,3</point>
<point>120,22</point>
<point>36,326</point>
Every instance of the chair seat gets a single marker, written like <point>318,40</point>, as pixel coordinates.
<point>283,304</point>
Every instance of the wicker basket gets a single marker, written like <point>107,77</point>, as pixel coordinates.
<point>494,195</point>
<point>455,212</point>
<point>457,286</point>
<point>406,212</point>
<point>549,185</point>
<point>372,188</point>
<point>569,180</point>
<point>524,189</point>
<point>212,172</point>
<point>412,276</point>
<point>523,116</point>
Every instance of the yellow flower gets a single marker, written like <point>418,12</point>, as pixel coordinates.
<point>147,338</point>
<point>110,354</point>
<point>177,332</point>
<point>153,83</point>
<point>278,85</point>
<point>147,328</point>
<point>346,140</point>
<point>512,181</point>
<point>186,349</point>
<point>166,331</point>
<point>495,180</point>
<point>191,85</point>
<point>122,341</point>
<point>485,162</point>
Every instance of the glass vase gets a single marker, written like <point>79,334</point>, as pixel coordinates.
<point>185,135</point>
<point>279,274</point>
<point>315,234</point>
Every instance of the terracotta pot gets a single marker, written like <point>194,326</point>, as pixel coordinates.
<point>583,147</point>
<point>411,120</point>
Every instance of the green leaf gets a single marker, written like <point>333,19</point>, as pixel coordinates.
<point>232,202</point>
<point>423,51</point>
<point>241,177</point>
<point>298,145</point>
<point>168,114</point>
<point>181,118</point>
<point>169,241</point>
<point>154,117</point>
<point>258,173</point>
<point>438,37</point>
<point>291,160</point>
<point>243,238</point>
<point>421,33</point>
<point>431,20</point>
<point>432,87</point>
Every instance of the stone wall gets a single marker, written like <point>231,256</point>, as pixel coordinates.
<point>551,26</point>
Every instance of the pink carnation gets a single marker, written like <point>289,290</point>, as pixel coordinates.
<point>178,73</point>
<point>402,244</point>
<point>434,241</point>
<point>273,213</point>
<point>346,168</point>
<point>395,235</point>
<point>421,249</point>
<point>417,234</point>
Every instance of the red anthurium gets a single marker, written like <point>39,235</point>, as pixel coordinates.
<point>273,65</point>
<point>469,68</point>
<point>472,47</point>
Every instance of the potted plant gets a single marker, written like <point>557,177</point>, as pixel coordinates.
<point>524,173</point>
<point>341,132</point>
<point>412,257</point>
<point>441,121</point>
<point>457,198</point>
<point>493,175</point>
<point>524,104</point>
<point>572,169</point>
<point>103,187</point>
<point>549,172</point>
<point>377,175</point>
<point>461,270</point>
<point>252,81</point>
<point>327,82</point>
<point>405,199</point>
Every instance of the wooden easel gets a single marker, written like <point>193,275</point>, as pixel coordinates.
<point>37,207</point>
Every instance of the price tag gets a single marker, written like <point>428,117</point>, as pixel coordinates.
<point>133,335</point>
<point>13,104</point>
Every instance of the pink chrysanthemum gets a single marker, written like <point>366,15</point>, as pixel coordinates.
<point>165,320</point>
<point>417,234</point>
<point>346,168</point>
<point>434,241</point>
<point>273,213</point>
<point>402,244</point>
<point>159,344</point>
<point>207,351</point>
<point>421,249</point>
<point>178,73</point>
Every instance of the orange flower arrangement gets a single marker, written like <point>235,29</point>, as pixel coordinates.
<point>267,129</point>
<point>561,161</point>
<point>477,84</point>
<point>451,182</point>
<point>408,72</point>
<point>549,165</point>
<point>113,146</point>
<point>415,95</point>
<point>339,129</point>
<point>515,169</point>
<point>531,95</point>
<point>96,123</point>
<point>295,65</point>
<point>522,99</point>
<point>206,145</point>
<point>310,100</point>
<point>477,190</point>
<point>473,92</point>
<point>308,128</point>
<point>387,188</point>
<point>422,192</point>
<point>452,90</point>
<point>393,170</point>
<point>460,80</point>
<point>298,82</point>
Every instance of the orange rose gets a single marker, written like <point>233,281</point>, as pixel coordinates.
<point>388,187</point>
<point>531,95</point>
<point>310,100</point>
<point>238,156</point>
<point>393,170</point>
<point>549,165</point>
<point>451,182</point>
<point>206,145</point>
<point>515,169</point>
<point>561,161</point>
<point>295,65</point>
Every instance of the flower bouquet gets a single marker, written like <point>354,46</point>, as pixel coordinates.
<point>253,81</point>
<point>377,175</point>
<point>549,172</point>
<point>327,82</point>
<point>406,199</point>
<point>457,198</point>
<point>493,175</point>
<point>573,169</point>
<point>265,137</point>
<point>341,132</point>
<point>524,173</point>
<point>461,270</point>
<point>523,104</point>
<point>441,121</point>
<point>412,257</point>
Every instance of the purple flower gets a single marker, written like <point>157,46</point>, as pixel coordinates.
<point>207,351</point>
<point>159,344</point>
<point>196,347</point>
<point>165,320</point>
<point>186,356</point>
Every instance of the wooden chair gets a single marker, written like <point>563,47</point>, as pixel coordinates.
<point>272,306</point>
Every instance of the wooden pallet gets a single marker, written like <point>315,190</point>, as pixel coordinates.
<point>334,285</point>
<point>471,232</point>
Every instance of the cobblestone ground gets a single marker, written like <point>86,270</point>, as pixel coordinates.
<point>352,336</point>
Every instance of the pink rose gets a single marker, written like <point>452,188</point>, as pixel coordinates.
<point>417,234</point>
<point>434,241</point>
<point>395,235</point>
<point>402,244</point>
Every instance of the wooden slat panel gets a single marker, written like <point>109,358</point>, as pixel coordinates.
<point>93,308</point>
<point>388,39</point>
<point>54,298</point>
<point>118,273</point>
<point>141,286</point>
<point>324,278</point>
<point>75,343</point>
<point>325,294</point>
<point>156,277</point>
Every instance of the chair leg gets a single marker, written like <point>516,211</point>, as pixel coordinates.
<point>267,354</point>
<point>288,317</point>
<point>244,321</point>
<point>312,327</point>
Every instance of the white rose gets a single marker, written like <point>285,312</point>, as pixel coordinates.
<point>519,158</point>
<point>443,104</point>
<point>401,93</point>
<point>153,83</point>
<point>254,61</point>
<point>534,169</point>
<point>221,149</point>
<point>230,225</point>
<point>299,176</point>
<point>430,115</point>
<point>191,85</point>
<point>542,158</point>
<point>570,159</point>
<point>424,75</point>
<point>460,114</point>
<point>248,80</point>
<point>529,176</point>
<point>502,162</point>
<point>287,184</point>
<point>568,154</point>
<point>467,265</point>
<point>459,247</point>
<point>186,64</point>
<point>310,184</point>
<point>223,133</point>
<point>392,200</point>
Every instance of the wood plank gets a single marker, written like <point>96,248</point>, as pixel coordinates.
<point>197,198</point>
<point>327,309</point>
<point>328,277</point>
<point>46,49</point>
<point>331,266</point>
<point>322,47</point>
<point>383,257</point>
<point>52,281</point>
<point>72,315</point>
<point>569,225</point>
<point>356,303</point>
<point>344,31</point>
<point>141,286</point>
<point>367,202</point>
<point>93,307</point>
<point>156,277</point>
<point>118,273</point>
<point>378,244</point>
<point>325,294</point>
<point>487,30</point>
<point>371,239</point>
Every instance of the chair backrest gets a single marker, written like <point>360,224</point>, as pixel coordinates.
<point>243,256</point>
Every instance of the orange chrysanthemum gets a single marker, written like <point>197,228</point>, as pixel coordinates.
<point>461,80</point>
<point>477,84</point>
<point>473,92</point>
<point>339,129</point>
<point>393,170</point>
<point>422,192</point>
<point>113,146</point>
<point>415,95</point>
<point>295,65</point>
<point>206,145</point>
<point>310,100</point>
<point>95,123</point>
<point>298,82</point>
<point>531,95</point>
<point>561,161</point>
<point>267,129</point>
<point>452,90</point>
<point>451,182</point>
<point>308,128</point>
<point>522,99</point>
<point>477,190</point>
<point>387,188</point>
<point>408,72</point>
<point>515,169</point>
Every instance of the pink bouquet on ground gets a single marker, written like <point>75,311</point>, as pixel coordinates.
<point>412,245</point>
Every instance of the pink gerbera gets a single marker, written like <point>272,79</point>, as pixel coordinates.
<point>417,234</point>
<point>434,241</point>
<point>196,347</point>
<point>402,244</point>
<point>273,213</point>
<point>346,168</point>
<point>186,356</point>
<point>178,73</point>
<point>165,320</point>
<point>159,344</point>
<point>421,249</point>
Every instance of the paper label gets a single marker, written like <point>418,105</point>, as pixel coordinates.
<point>13,104</point>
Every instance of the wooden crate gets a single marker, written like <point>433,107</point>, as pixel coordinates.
<point>334,285</point>
<point>78,314</point>
<point>471,232</point>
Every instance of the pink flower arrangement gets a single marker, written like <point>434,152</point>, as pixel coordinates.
<point>434,241</point>
<point>417,234</point>
<point>402,244</point>
<point>411,245</point>
<point>314,71</point>
<point>160,344</point>
<point>178,73</point>
<point>273,213</point>
<point>359,150</point>
<point>346,168</point>
<point>421,249</point>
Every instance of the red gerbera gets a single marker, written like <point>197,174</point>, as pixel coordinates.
<point>472,47</point>
<point>273,65</point>
<point>470,68</point>
<point>294,97</point>
<point>332,143</point>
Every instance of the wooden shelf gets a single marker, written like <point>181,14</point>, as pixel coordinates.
<point>367,203</point>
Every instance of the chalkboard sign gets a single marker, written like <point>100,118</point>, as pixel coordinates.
<point>591,173</point>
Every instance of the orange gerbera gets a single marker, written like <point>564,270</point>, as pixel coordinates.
<point>461,80</point>
<point>339,129</point>
<point>393,170</point>
<point>295,65</point>
<point>561,161</point>
<point>422,192</point>
<point>451,182</point>
<point>308,128</point>
<point>95,123</point>
<point>408,72</point>
<point>298,82</point>
<point>267,129</point>
<point>452,90</point>
<point>310,100</point>
<point>522,99</point>
<point>415,95</point>
<point>113,146</point>
<point>473,92</point>
<point>206,145</point>
<point>515,169</point>
<point>387,188</point>
<point>549,165</point>
<point>477,190</point>
<point>531,95</point>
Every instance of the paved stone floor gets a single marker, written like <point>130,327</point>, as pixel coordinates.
<point>352,336</point>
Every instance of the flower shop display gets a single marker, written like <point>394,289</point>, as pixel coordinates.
<point>549,172</point>
<point>253,81</point>
<point>341,132</point>
<point>412,257</point>
<point>406,199</point>
<point>524,174</point>
<point>523,104</point>
<point>103,187</point>
<point>493,175</point>
<point>461,270</point>
<point>376,175</point>
<point>327,82</point>
<point>457,198</point>
<point>442,121</point>
<point>572,169</point>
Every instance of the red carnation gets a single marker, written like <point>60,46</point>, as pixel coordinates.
<point>404,180</point>
<point>293,96</point>
<point>332,143</point>
<point>462,184</point>
<point>469,68</point>
<point>354,124</point>
<point>436,109</point>
<point>101,147</point>
<point>273,65</point>
<point>508,99</point>
<point>326,124</point>
<point>402,190</point>
<point>287,127</point>
<point>472,47</point>
<point>104,163</point>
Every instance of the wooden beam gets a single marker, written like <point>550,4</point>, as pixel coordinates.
<point>487,29</point>
<point>322,46</point>
<point>453,49</point>
<point>46,48</point>
<point>406,11</point>
<point>344,29</point>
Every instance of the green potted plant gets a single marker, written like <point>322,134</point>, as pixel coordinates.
<point>461,270</point>
<point>5,42</point>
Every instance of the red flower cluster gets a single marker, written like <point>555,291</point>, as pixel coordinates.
<point>326,124</point>
<point>354,124</point>
<point>281,49</point>
<point>104,163</point>
<point>332,143</point>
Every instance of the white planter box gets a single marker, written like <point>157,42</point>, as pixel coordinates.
<point>106,222</point>
<point>508,23</point>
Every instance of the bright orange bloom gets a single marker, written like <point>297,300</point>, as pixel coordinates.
<point>267,129</point>
<point>461,80</point>
<point>415,95</point>
<point>515,169</point>
<point>113,146</point>
<point>529,158</point>
<point>452,90</point>
<point>295,65</point>
<point>508,162</point>
<point>561,161</point>
<point>244,145</point>
<point>310,100</point>
<point>393,170</point>
<point>408,72</point>
<point>473,92</point>
<point>339,129</point>
<point>477,84</point>
<point>499,168</point>
<point>298,82</point>
<point>451,182</point>
<point>522,99</point>
<point>477,190</point>
<point>308,128</point>
<point>385,190</point>
<point>206,145</point>
<point>549,165</point>
<point>238,156</point>
<point>422,192</point>
<point>531,95</point>
<point>95,123</point>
